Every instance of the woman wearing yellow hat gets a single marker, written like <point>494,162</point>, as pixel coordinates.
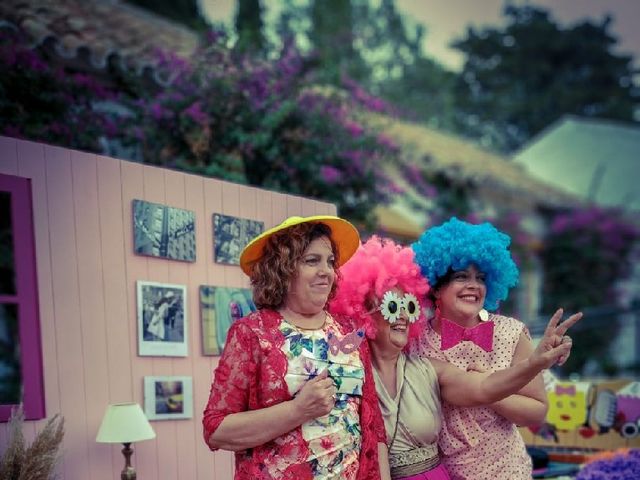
<point>293,394</point>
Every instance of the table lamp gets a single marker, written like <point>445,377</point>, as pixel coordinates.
<point>125,423</point>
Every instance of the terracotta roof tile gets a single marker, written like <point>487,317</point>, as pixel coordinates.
<point>101,30</point>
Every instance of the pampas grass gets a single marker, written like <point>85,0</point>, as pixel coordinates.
<point>38,460</point>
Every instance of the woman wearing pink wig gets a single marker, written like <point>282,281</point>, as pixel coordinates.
<point>380,288</point>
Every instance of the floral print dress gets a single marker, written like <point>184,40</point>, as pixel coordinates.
<point>266,361</point>
<point>334,439</point>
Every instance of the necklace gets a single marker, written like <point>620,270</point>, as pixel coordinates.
<point>286,314</point>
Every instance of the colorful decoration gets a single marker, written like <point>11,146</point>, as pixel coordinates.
<point>568,405</point>
<point>620,466</point>
<point>601,415</point>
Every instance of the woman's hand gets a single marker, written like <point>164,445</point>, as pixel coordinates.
<point>317,397</point>
<point>555,346</point>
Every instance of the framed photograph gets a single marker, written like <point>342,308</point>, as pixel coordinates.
<point>166,232</point>
<point>219,308</point>
<point>162,319</point>
<point>231,235</point>
<point>168,398</point>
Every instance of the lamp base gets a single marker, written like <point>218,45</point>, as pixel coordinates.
<point>129,472</point>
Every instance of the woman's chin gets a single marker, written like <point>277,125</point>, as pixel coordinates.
<point>398,339</point>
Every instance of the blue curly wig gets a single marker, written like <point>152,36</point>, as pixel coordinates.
<point>456,245</point>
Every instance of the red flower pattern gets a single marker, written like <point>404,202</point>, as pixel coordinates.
<point>251,376</point>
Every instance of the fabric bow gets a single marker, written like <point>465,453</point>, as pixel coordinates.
<point>569,390</point>
<point>453,334</point>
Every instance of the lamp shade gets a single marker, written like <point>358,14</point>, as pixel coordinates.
<point>124,423</point>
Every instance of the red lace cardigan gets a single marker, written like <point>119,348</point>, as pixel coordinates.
<point>251,376</point>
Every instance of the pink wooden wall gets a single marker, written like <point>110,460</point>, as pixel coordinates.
<point>87,275</point>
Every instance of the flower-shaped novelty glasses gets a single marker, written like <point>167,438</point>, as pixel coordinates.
<point>392,305</point>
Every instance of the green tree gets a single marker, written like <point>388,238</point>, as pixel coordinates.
<point>401,73</point>
<point>375,45</point>
<point>249,27</point>
<point>331,35</point>
<point>518,79</point>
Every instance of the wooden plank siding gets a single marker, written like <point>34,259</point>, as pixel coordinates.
<point>87,273</point>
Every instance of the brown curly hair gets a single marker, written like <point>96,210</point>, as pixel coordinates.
<point>272,274</point>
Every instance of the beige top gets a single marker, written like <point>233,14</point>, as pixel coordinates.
<point>420,413</point>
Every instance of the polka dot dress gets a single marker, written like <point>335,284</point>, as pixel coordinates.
<point>477,443</point>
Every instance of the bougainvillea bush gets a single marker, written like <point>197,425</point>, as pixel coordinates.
<point>587,252</point>
<point>44,103</point>
<point>262,122</point>
<point>250,120</point>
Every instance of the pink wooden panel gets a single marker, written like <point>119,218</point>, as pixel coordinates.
<point>8,156</point>
<point>200,366</point>
<point>92,304</point>
<point>64,267</point>
<point>294,206</point>
<point>308,208</point>
<point>86,275</point>
<point>183,441</point>
<point>158,271</point>
<point>31,164</point>
<point>278,209</point>
<point>324,208</point>
<point>117,316</point>
<point>186,430</point>
<point>214,191</point>
<point>132,180</point>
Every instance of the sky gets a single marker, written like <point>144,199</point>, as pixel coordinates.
<point>448,19</point>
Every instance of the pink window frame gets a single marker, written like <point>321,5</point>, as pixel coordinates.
<point>26,298</point>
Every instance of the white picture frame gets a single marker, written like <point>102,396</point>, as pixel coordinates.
<point>162,319</point>
<point>168,397</point>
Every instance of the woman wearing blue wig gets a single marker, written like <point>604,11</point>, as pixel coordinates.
<point>470,270</point>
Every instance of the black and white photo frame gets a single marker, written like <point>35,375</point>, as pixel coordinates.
<point>231,235</point>
<point>162,319</point>
<point>162,231</point>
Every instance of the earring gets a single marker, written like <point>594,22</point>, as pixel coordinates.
<point>484,315</point>
<point>437,310</point>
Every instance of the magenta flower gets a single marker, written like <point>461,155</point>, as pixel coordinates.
<point>195,113</point>
<point>329,174</point>
<point>354,129</point>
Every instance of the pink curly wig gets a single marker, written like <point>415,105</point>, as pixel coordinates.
<point>377,266</point>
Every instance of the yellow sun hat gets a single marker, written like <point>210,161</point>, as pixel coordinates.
<point>343,234</point>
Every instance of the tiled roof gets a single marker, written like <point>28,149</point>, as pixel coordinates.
<point>98,33</point>
<point>457,157</point>
<point>504,183</point>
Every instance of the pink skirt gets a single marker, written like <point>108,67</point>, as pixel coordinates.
<point>438,473</point>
